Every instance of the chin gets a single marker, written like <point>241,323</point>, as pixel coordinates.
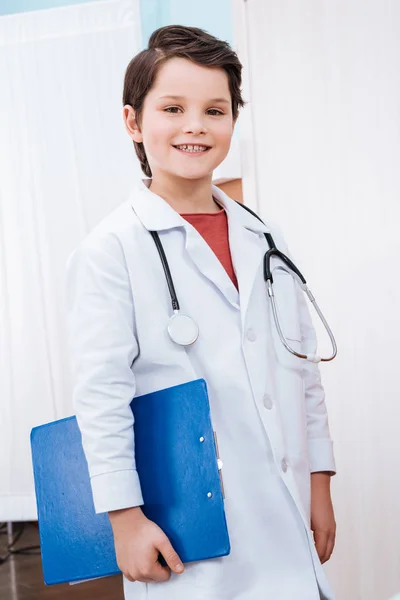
<point>193,175</point>
<point>197,176</point>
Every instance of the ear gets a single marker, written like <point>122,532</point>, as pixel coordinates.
<point>131,124</point>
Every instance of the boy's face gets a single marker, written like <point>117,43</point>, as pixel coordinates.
<point>201,114</point>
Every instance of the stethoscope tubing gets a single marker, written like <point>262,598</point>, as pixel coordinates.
<point>273,251</point>
<point>168,276</point>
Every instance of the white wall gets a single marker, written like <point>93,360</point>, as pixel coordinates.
<point>324,85</point>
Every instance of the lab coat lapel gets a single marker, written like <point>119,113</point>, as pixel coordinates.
<point>157,215</point>
<point>247,250</point>
<point>247,244</point>
<point>209,265</point>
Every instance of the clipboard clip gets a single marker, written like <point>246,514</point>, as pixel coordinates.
<point>219,463</point>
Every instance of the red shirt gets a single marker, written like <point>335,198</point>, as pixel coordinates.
<point>213,227</point>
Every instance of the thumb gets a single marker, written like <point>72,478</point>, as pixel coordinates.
<point>170,556</point>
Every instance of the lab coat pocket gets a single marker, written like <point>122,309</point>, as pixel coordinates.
<point>286,303</point>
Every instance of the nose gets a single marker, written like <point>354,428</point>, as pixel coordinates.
<point>195,125</point>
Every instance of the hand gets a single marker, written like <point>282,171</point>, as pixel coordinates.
<point>323,523</point>
<point>138,542</point>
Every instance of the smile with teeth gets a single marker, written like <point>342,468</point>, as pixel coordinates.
<point>192,148</point>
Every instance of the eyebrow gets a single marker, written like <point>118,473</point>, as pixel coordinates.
<point>182,98</point>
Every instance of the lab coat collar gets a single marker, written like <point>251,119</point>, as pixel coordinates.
<point>245,240</point>
<point>157,215</point>
<point>152,210</point>
<point>239,214</point>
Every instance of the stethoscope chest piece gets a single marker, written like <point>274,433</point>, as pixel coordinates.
<point>182,329</point>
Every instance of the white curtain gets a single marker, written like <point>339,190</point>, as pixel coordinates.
<point>324,85</point>
<point>65,161</point>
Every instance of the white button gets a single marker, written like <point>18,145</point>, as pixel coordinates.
<point>267,401</point>
<point>251,335</point>
<point>284,465</point>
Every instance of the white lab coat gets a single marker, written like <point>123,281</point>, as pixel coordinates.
<point>267,406</point>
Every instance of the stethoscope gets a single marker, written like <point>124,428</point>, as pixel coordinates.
<point>183,330</point>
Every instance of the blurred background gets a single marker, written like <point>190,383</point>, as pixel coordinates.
<point>317,150</point>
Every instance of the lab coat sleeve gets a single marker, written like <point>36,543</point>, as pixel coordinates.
<point>320,445</point>
<point>103,347</point>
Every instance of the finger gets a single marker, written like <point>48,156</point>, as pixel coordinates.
<point>321,543</point>
<point>153,573</point>
<point>171,557</point>
<point>330,546</point>
<point>160,573</point>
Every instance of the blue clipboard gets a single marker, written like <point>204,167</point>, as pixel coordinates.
<point>176,459</point>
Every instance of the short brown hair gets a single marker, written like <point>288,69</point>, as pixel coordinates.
<point>185,42</point>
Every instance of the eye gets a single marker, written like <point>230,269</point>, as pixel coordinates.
<point>214,110</point>
<point>172,109</point>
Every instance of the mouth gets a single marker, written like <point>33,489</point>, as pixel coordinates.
<point>193,149</point>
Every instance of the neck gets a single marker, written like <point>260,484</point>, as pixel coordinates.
<point>185,195</point>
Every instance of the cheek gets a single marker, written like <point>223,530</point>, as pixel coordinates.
<point>158,134</point>
<point>223,131</point>
<point>223,137</point>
